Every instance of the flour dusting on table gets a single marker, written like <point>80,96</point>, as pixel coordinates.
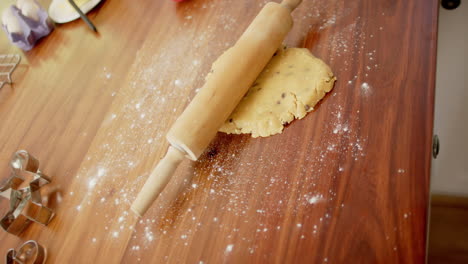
<point>222,179</point>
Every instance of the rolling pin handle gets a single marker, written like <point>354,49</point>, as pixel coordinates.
<point>291,4</point>
<point>158,179</point>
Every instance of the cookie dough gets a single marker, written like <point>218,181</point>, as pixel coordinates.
<point>291,84</point>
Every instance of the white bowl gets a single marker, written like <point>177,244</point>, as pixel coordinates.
<point>61,11</point>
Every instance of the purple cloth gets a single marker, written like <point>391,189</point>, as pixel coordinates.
<point>32,30</point>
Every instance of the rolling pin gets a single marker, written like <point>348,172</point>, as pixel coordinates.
<point>232,75</point>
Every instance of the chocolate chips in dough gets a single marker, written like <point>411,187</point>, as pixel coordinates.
<point>291,84</point>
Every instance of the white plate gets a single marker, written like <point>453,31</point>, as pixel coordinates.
<point>62,12</point>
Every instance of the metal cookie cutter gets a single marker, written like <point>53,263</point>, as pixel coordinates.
<point>30,252</point>
<point>8,64</point>
<point>23,190</point>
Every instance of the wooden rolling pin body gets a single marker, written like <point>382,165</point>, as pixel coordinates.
<point>232,75</point>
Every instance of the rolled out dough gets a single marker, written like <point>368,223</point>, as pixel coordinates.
<point>291,84</point>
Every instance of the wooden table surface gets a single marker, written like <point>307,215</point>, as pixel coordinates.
<point>347,184</point>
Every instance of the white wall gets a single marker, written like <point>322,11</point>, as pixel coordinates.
<point>450,169</point>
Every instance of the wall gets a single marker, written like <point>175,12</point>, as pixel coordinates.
<point>450,169</point>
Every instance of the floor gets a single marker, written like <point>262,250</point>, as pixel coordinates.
<point>448,235</point>
<point>448,231</point>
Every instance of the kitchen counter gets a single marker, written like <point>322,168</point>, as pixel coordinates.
<point>349,183</point>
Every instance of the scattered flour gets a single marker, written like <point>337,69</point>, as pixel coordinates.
<point>365,87</point>
<point>107,74</point>
<point>328,22</point>
<point>314,199</point>
<point>342,140</point>
<point>178,83</point>
<point>229,248</point>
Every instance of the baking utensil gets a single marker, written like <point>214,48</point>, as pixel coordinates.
<point>83,16</point>
<point>30,252</point>
<point>232,75</point>
<point>22,188</point>
<point>8,63</point>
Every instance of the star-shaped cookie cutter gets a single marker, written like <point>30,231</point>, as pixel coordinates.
<point>23,190</point>
<point>29,252</point>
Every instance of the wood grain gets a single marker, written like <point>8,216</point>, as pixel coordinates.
<point>347,184</point>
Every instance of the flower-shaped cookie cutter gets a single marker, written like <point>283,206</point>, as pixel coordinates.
<point>29,252</point>
<point>23,190</point>
<point>8,63</point>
